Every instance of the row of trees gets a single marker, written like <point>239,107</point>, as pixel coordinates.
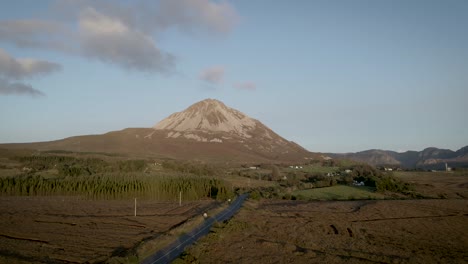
<point>381,181</point>
<point>115,186</point>
<point>190,167</point>
<point>71,166</point>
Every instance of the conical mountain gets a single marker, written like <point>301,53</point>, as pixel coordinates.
<point>212,121</point>
<point>208,130</point>
<point>209,115</point>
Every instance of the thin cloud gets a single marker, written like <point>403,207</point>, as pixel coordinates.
<point>35,33</point>
<point>12,68</point>
<point>213,75</point>
<point>248,86</point>
<point>190,15</point>
<point>18,88</point>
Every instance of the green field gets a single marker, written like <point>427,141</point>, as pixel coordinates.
<point>338,192</point>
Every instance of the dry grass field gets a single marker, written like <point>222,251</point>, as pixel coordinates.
<point>75,230</point>
<point>451,185</point>
<point>379,231</point>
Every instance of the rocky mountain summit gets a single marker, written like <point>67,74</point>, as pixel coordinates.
<point>209,115</point>
<point>212,121</point>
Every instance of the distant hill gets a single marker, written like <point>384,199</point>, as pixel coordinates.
<point>429,158</point>
<point>206,131</point>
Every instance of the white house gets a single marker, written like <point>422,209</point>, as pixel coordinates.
<point>356,183</point>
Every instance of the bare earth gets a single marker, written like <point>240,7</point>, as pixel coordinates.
<point>398,231</point>
<point>70,229</point>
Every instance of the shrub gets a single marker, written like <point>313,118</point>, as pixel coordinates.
<point>365,173</point>
<point>392,184</point>
<point>255,195</point>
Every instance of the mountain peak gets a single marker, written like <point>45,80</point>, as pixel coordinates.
<point>209,101</point>
<point>209,115</point>
<point>212,122</point>
<point>207,105</point>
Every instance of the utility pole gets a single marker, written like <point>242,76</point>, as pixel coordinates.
<point>135,206</point>
<point>180,198</point>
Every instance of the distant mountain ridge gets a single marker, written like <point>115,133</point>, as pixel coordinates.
<point>429,158</point>
<point>207,131</point>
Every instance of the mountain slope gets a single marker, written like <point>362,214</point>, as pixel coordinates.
<point>207,130</point>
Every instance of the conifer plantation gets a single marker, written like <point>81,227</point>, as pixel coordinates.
<point>100,179</point>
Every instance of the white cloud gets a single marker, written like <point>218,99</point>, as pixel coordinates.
<point>213,75</point>
<point>12,68</point>
<point>110,40</point>
<point>249,86</point>
<point>19,69</point>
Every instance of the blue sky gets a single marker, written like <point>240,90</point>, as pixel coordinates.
<point>333,76</point>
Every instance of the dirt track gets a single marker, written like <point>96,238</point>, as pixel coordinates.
<point>68,229</point>
<point>410,231</point>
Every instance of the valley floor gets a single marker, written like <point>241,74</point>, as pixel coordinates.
<point>383,231</point>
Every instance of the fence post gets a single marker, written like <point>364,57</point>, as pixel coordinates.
<point>180,198</point>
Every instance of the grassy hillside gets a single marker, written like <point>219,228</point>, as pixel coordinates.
<point>150,143</point>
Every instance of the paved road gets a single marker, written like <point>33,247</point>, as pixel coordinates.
<point>171,252</point>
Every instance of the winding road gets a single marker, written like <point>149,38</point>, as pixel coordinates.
<point>172,251</point>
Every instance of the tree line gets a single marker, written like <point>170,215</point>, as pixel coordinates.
<point>116,186</point>
<point>71,166</point>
